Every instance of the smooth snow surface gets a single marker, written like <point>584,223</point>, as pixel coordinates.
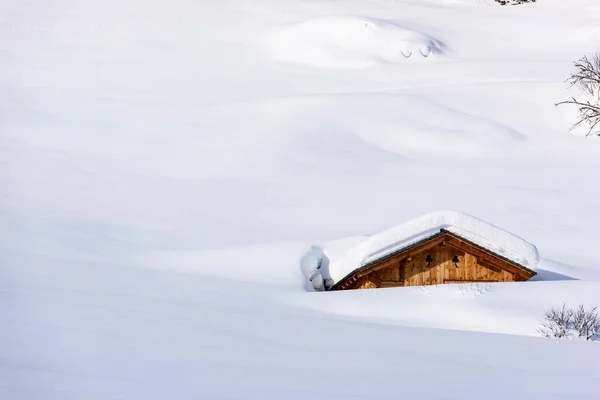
<point>406,234</point>
<point>349,42</point>
<point>164,166</point>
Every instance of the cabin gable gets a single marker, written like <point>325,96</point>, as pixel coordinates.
<point>442,259</point>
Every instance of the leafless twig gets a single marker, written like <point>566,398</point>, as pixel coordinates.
<point>571,323</point>
<point>587,78</point>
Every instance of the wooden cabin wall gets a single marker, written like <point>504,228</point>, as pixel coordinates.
<point>413,270</point>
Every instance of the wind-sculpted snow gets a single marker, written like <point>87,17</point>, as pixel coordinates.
<point>350,42</point>
<point>423,127</point>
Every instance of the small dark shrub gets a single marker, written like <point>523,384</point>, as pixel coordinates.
<point>570,323</point>
<point>513,2</point>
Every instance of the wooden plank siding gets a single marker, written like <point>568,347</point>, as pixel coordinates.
<point>410,267</point>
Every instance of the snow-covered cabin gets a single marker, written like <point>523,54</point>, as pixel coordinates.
<point>437,248</point>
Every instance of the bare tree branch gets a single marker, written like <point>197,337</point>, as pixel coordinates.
<point>587,78</point>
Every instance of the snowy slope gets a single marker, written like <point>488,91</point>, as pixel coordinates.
<point>164,166</point>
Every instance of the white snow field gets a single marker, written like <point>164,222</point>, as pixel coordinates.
<point>165,165</point>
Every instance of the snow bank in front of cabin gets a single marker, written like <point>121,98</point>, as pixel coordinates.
<point>315,262</point>
<point>406,234</point>
<point>310,264</point>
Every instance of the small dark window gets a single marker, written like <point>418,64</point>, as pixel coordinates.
<point>455,260</point>
<point>428,260</point>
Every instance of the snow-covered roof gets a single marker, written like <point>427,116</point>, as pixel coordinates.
<point>390,241</point>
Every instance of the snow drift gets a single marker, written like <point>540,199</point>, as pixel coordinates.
<point>349,42</point>
<point>422,126</point>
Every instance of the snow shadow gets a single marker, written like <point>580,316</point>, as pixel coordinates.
<point>545,275</point>
<point>552,270</point>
